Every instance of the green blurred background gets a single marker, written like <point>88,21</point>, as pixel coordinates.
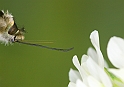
<point>68,23</point>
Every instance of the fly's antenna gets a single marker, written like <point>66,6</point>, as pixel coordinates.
<point>42,46</point>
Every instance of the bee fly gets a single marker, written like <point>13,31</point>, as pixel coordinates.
<point>10,33</point>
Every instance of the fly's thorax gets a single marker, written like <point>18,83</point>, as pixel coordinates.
<point>8,18</point>
<point>9,22</point>
<point>6,21</point>
<point>3,25</point>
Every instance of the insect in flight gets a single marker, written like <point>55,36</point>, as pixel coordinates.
<point>10,33</point>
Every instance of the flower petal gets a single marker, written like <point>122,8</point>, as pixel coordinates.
<point>98,73</point>
<point>115,51</point>
<point>78,66</point>
<point>95,39</point>
<point>93,82</point>
<point>71,84</point>
<point>76,62</point>
<point>92,53</point>
<point>74,75</point>
<point>94,36</point>
<point>79,83</point>
<point>84,58</point>
<point>92,68</point>
<point>118,72</point>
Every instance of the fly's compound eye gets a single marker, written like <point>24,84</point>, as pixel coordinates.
<point>13,30</point>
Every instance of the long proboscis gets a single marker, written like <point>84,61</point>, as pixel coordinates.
<point>42,46</point>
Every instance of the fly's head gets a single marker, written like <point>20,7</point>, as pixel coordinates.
<point>17,33</point>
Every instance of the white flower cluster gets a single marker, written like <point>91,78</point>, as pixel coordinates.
<point>93,70</point>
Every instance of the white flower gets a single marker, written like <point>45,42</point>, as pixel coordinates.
<point>89,73</point>
<point>91,70</point>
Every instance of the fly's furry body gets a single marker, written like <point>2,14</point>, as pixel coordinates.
<point>9,31</point>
